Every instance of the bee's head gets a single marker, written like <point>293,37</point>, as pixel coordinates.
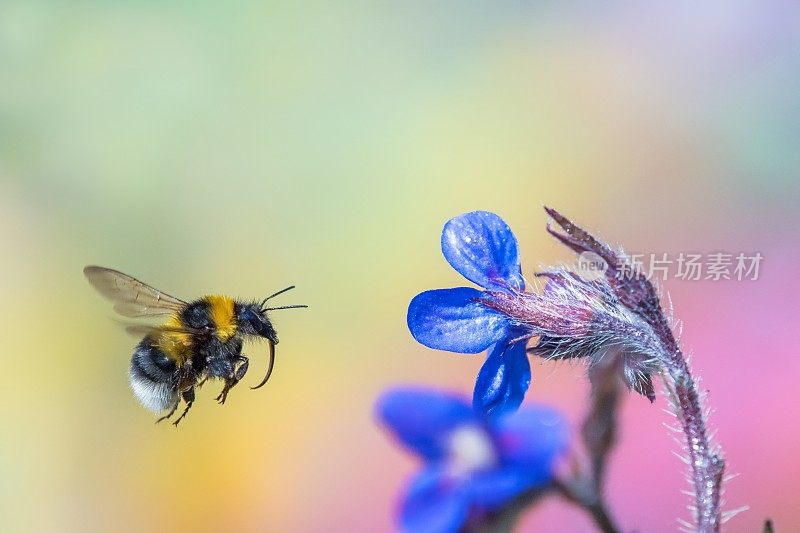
<point>252,320</point>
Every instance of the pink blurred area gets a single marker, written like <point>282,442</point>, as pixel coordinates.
<point>241,148</point>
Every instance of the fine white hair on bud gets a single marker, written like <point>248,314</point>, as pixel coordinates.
<point>575,318</point>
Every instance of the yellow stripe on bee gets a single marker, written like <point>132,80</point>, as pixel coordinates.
<point>172,342</point>
<point>222,315</point>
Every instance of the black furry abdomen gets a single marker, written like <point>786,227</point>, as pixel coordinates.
<point>153,377</point>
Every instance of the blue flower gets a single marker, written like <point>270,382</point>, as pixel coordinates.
<point>482,248</point>
<point>472,464</point>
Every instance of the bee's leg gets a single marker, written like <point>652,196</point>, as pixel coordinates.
<point>172,412</point>
<point>241,370</point>
<point>231,382</point>
<point>188,397</point>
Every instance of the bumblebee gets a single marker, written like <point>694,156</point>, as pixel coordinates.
<point>198,340</point>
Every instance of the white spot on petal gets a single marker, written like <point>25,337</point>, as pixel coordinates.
<point>471,450</point>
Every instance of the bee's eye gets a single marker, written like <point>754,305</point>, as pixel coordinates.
<point>249,315</point>
<point>207,327</point>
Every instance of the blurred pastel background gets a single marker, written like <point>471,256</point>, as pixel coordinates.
<point>240,147</point>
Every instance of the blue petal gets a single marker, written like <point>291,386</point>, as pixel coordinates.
<point>422,419</point>
<point>434,504</point>
<point>531,440</point>
<point>503,379</point>
<point>451,319</point>
<point>494,488</point>
<point>482,248</point>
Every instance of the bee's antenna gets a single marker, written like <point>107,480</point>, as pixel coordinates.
<point>271,296</point>
<point>284,307</point>
<point>290,287</point>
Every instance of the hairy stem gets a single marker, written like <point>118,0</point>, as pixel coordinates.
<point>707,465</point>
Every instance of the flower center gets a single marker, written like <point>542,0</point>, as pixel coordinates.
<point>471,450</point>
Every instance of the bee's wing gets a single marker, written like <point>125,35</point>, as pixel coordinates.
<point>131,297</point>
<point>139,330</point>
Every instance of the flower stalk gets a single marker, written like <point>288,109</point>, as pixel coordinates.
<point>599,432</point>
<point>587,497</point>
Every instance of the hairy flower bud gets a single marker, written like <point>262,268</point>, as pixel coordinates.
<point>575,318</point>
